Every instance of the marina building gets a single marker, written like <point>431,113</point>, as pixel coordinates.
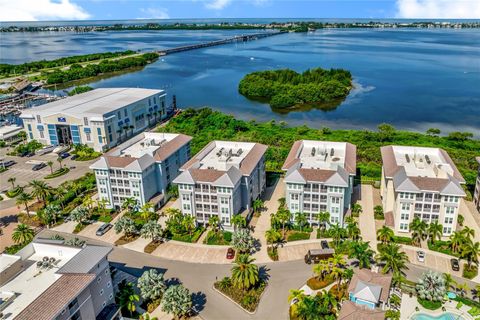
<point>420,182</point>
<point>222,180</point>
<point>100,118</point>
<point>141,168</point>
<point>9,133</point>
<point>476,195</point>
<point>49,280</point>
<point>319,178</point>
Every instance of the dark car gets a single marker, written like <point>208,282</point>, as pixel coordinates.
<point>8,163</point>
<point>324,244</point>
<point>103,229</point>
<point>74,157</point>
<point>315,255</point>
<point>455,264</point>
<point>64,155</point>
<point>39,166</point>
<point>230,253</point>
<point>30,154</point>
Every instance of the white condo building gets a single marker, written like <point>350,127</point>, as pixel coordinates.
<point>319,178</point>
<point>100,118</point>
<point>141,168</point>
<point>223,179</point>
<point>476,195</point>
<point>420,182</point>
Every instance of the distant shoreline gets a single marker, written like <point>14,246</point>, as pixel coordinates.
<point>292,26</point>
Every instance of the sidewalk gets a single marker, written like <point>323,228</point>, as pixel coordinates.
<point>366,222</point>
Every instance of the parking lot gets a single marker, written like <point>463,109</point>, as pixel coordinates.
<point>433,260</point>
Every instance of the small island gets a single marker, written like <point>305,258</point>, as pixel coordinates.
<point>286,90</point>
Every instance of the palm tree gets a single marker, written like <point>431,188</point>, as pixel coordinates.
<point>435,231</point>
<point>188,223</point>
<point>257,205</point>
<point>353,230</point>
<point>214,221</point>
<point>151,230</point>
<point>418,228</point>
<point>146,211</point>
<point>337,233</point>
<point>12,181</point>
<point>470,252</point>
<point>177,301</point>
<point>272,236</point>
<point>468,233</point>
<point>337,274</point>
<point>50,164</point>
<point>102,205</point>
<point>449,281</point>
<point>393,259</point>
<point>284,216</point>
<point>51,212</point>
<point>59,193</point>
<point>238,221</point>
<point>329,300</point>
<point>323,219</point>
<point>40,190</point>
<point>301,220</point>
<point>88,203</point>
<point>457,239</point>
<point>129,203</point>
<point>22,234</point>
<point>24,198</point>
<point>151,284</point>
<point>356,209</point>
<point>362,252</point>
<point>244,272</point>
<point>322,268</point>
<point>385,235</point>
<point>126,296</point>
<point>59,160</point>
<point>308,309</point>
<point>463,288</point>
<point>296,295</point>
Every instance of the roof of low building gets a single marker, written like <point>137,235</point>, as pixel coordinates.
<point>85,260</point>
<point>96,102</point>
<point>52,301</point>
<point>352,311</point>
<point>368,277</point>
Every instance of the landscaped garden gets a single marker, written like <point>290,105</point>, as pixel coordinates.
<point>182,227</point>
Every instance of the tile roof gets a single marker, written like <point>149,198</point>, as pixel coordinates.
<point>56,297</point>
<point>206,175</point>
<point>389,219</point>
<point>292,157</point>
<point>351,158</point>
<point>369,277</point>
<point>389,163</point>
<point>252,158</point>
<point>316,174</point>
<point>118,162</point>
<point>352,311</point>
<point>86,259</point>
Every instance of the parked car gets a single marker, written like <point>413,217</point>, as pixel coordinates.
<point>8,163</point>
<point>420,256</point>
<point>324,244</point>
<point>60,149</point>
<point>45,150</point>
<point>315,255</point>
<point>103,229</point>
<point>230,253</point>
<point>39,166</point>
<point>455,265</point>
<point>74,157</point>
<point>64,155</point>
<point>30,154</point>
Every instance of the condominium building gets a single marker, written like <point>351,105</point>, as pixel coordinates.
<point>100,118</point>
<point>319,178</point>
<point>420,182</point>
<point>476,195</point>
<point>222,180</point>
<point>49,280</point>
<point>141,168</point>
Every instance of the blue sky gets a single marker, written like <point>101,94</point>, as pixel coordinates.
<point>31,10</point>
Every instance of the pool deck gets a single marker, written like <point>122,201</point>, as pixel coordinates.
<point>407,309</point>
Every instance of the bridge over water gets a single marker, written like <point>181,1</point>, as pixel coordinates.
<point>241,38</point>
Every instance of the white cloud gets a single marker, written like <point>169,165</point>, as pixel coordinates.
<point>33,10</point>
<point>154,13</point>
<point>217,4</point>
<point>438,9</point>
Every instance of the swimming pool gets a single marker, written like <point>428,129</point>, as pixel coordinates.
<point>443,316</point>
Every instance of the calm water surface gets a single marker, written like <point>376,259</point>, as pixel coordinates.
<point>413,79</point>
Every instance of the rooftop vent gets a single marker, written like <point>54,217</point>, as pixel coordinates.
<point>407,157</point>
<point>313,152</point>
<point>427,158</point>
<point>332,152</point>
<point>239,152</point>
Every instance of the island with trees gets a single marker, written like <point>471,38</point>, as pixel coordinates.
<point>287,90</point>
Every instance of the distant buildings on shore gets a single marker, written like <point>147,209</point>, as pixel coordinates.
<point>476,196</point>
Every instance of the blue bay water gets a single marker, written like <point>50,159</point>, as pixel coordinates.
<point>412,78</point>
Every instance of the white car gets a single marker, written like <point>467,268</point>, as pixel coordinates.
<point>45,150</point>
<point>421,256</point>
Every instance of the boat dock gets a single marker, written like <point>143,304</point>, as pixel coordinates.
<point>241,38</point>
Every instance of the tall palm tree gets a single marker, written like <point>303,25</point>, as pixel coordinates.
<point>238,221</point>
<point>12,181</point>
<point>449,281</point>
<point>337,274</point>
<point>329,300</point>
<point>244,272</point>
<point>22,234</point>
<point>59,193</point>
<point>337,233</point>
<point>297,295</point>
<point>362,252</point>
<point>257,205</point>
<point>50,164</point>
<point>321,268</point>
<point>126,296</point>
<point>188,223</point>
<point>468,233</point>
<point>24,198</point>
<point>40,190</point>
<point>214,221</point>
<point>308,309</point>
<point>353,230</point>
<point>435,231</point>
<point>323,219</point>
<point>393,259</point>
<point>284,216</point>
<point>385,235</point>
<point>470,252</point>
<point>301,220</point>
<point>418,228</point>
<point>59,160</point>
<point>88,203</point>
<point>272,236</point>
<point>457,239</point>
<point>129,203</point>
<point>356,209</point>
<point>146,211</point>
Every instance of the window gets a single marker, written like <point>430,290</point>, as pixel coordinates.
<point>294,196</point>
<point>85,121</point>
<point>99,279</point>
<point>294,207</point>
<point>405,206</point>
<point>185,197</point>
<point>225,210</point>
<point>106,272</point>
<point>39,119</point>
<point>119,115</point>
<point>449,210</point>
<point>88,136</point>
<point>448,220</point>
<point>110,296</point>
<point>101,292</point>
<point>186,206</point>
<point>42,135</point>
<point>125,112</point>
<point>223,200</point>
<point>427,207</point>
<point>334,220</point>
<point>404,226</point>
<point>336,200</point>
<point>404,216</point>
<point>447,230</point>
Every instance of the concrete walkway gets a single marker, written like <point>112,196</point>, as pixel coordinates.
<point>472,217</point>
<point>366,222</point>
<point>272,194</point>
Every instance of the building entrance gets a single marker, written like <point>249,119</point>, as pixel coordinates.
<point>64,134</point>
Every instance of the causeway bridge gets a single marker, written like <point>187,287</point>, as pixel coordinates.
<point>241,38</point>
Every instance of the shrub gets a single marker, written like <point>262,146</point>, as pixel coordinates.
<point>469,272</point>
<point>273,253</point>
<point>296,235</point>
<point>430,305</point>
<point>247,299</point>
<point>79,227</point>
<point>315,283</point>
<point>58,173</point>
<point>14,192</point>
